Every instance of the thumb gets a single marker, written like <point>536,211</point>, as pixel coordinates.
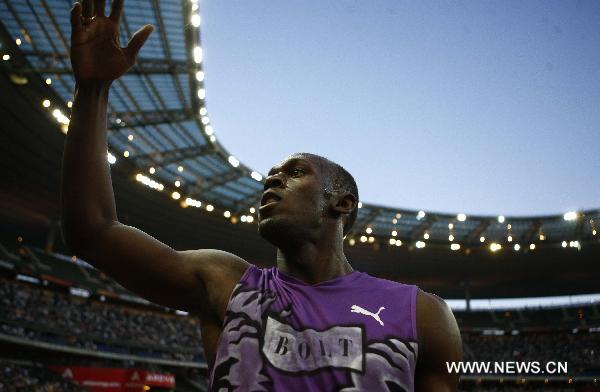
<point>137,41</point>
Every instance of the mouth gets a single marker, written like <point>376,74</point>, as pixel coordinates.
<point>269,197</point>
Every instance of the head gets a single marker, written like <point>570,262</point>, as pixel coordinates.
<point>307,196</point>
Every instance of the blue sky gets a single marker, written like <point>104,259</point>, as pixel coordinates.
<point>475,107</point>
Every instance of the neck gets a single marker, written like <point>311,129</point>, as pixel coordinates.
<point>315,261</point>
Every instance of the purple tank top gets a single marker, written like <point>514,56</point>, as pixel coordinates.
<point>351,333</point>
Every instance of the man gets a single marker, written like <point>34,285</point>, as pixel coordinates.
<point>312,323</point>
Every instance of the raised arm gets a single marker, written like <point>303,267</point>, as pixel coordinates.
<point>182,280</point>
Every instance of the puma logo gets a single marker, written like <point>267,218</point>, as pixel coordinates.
<point>358,309</point>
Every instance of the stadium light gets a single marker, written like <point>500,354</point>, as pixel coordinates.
<point>126,154</point>
<point>371,239</point>
<point>392,241</point>
<point>461,217</point>
<point>359,204</point>
<point>450,226</point>
<point>198,54</point>
<point>564,244</point>
<point>351,241</point>
<point>18,41</point>
<point>176,195</point>
<point>200,78</point>
<point>398,243</point>
<point>227,214</point>
<point>193,202</point>
<point>130,137</point>
<point>426,235</point>
<point>517,247</point>
<point>46,103</point>
<point>368,230</point>
<point>233,161</point>
<point>111,158</point>
<point>394,233</point>
<point>177,183</point>
<point>575,244</point>
<point>256,175</point>
<point>570,216</point>
<point>48,81</point>
<point>201,93</point>
<point>450,238</point>
<point>420,244</point>
<point>210,208</point>
<point>532,246</point>
<point>209,130</point>
<point>195,20</point>
<point>203,111</point>
<point>482,239</point>
<point>149,182</point>
<point>420,215</point>
<point>180,169</point>
<point>501,219</point>
<point>152,170</point>
<point>494,247</point>
<point>363,238</point>
<point>455,246</point>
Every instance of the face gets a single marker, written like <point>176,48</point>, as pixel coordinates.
<point>294,202</point>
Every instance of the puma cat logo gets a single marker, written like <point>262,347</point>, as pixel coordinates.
<point>358,309</point>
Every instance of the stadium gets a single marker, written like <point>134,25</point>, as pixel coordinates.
<point>522,289</point>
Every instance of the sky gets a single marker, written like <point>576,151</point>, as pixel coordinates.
<point>476,107</point>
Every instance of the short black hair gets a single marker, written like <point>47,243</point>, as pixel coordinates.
<point>343,182</point>
<point>339,180</point>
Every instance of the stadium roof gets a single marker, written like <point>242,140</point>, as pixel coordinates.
<point>160,133</point>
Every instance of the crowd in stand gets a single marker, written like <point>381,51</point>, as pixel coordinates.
<point>510,387</point>
<point>580,351</point>
<point>89,323</point>
<point>20,378</point>
<point>38,313</point>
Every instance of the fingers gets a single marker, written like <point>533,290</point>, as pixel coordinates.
<point>137,41</point>
<point>76,18</point>
<point>99,7</point>
<point>116,9</point>
<point>87,9</point>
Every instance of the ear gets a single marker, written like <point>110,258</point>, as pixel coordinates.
<point>345,203</point>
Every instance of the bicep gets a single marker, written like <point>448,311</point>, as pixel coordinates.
<point>439,343</point>
<point>154,270</point>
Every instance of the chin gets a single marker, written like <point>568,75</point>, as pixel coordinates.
<point>278,230</point>
<point>270,228</point>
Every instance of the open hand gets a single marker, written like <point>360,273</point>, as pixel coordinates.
<point>96,53</point>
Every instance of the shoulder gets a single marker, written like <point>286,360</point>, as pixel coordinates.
<point>217,272</point>
<point>210,257</point>
<point>439,342</point>
<point>432,310</point>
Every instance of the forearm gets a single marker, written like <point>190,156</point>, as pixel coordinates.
<point>88,203</point>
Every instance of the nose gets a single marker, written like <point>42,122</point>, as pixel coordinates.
<point>274,181</point>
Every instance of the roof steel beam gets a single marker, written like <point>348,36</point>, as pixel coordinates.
<point>138,119</point>
<point>164,158</point>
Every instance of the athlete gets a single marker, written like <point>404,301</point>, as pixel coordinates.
<point>310,324</point>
